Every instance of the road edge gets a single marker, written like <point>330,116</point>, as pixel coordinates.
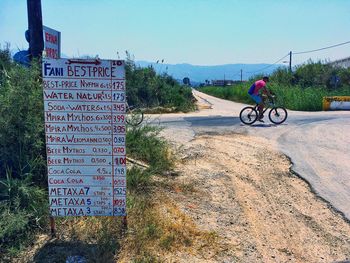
<point>313,190</point>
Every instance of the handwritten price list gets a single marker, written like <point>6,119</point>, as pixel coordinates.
<point>85,136</point>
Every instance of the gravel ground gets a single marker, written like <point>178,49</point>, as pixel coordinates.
<point>241,188</point>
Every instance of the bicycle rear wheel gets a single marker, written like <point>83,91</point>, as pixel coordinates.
<point>134,117</point>
<point>278,115</point>
<point>248,115</point>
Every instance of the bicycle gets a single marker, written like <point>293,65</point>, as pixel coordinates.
<point>277,114</point>
<point>134,115</point>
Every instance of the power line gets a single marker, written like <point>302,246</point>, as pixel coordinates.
<point>337,45</point>
<point>250,72</point>
<point>297,53</point>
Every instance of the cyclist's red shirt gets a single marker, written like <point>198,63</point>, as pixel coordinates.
<point>259,84</point>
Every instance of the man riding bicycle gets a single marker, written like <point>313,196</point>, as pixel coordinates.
<point>255,94</point>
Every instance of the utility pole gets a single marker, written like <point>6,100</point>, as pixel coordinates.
<point>290,61</point>
<point>35,27</point>
<point>241,75</point>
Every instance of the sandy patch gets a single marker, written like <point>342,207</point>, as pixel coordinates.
<point>243,190</point>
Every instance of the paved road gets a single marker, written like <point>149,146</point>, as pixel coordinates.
<point>318,143</point>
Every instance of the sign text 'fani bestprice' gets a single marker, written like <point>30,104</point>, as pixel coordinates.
<point>84,102</point>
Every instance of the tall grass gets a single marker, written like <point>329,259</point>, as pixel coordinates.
<point>147,89</point>
<point>234,93</point>
<point>23,198</point>
<point>301,90</point>
<point>22,144</point>
<point>293,97</point>
<point>305,99</point>
<point>23,208</point>
<point>144,144</point>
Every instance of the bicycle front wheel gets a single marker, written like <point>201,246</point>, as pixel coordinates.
<point>134,117</point>
<point>248,115</point>
<point>278,115</point>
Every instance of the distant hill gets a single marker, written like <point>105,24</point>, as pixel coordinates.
<point>202,73</point>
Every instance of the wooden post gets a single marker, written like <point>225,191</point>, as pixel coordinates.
<point>290,61</point>
<point>125,222</point>
<point>53,226</point>
<point>35,26</point>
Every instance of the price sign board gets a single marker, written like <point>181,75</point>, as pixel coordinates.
<point>84,103</point>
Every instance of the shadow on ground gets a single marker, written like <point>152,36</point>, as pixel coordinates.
<point>212,121</point>
<point>58,251</point>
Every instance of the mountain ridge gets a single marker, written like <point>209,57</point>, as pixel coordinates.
<point>201,73</point>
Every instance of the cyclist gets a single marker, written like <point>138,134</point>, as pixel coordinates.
<point>255,94</point>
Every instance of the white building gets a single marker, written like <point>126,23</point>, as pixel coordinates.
<point>343,63</point>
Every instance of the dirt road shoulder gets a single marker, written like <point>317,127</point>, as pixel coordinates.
<point>242,189</point>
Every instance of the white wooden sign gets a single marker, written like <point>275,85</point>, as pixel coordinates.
<point>85,131</point>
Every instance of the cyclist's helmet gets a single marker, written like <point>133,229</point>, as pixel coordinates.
<point>266,78</point>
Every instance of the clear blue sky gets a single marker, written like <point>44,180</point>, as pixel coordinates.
<point>200,32</point>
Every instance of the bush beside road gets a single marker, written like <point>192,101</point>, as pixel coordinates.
<point>302,90</point>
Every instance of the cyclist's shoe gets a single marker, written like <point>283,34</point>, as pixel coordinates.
<point>261,117</point>
<point>261,120</point>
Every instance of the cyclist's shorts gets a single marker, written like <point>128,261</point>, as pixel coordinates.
<point>256,98</point>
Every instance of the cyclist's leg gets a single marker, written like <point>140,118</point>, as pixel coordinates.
<point>258,99</point>
<point>261,110</point>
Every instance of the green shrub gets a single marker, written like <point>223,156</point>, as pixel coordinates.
<point>234,93</point>
<point>282,76</point>
<point>23,198</point>
<point>137,179</point>
<point>147,89</point>
<point>12,224</point>
<point>22,141</point>
<point>303,89</point>
<point>293,97</point>
<point>312,74</point>
<point>143,143</point>
<point>23,207</point>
